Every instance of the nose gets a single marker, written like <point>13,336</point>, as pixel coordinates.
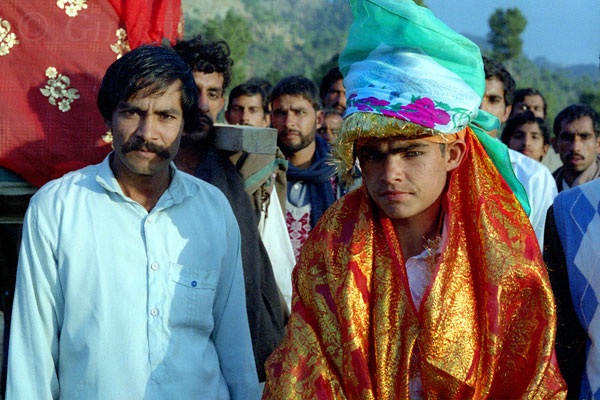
<point>245,117</point>
<point>392,170</point>
<point>342,99</point>
<point>575,145</point>
<point>290,120</point>
<point>145,129</point>
<point>203,102</point>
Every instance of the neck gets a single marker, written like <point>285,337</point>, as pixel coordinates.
<point>414,232</point>
<point>187,158</point>
<point>303,158</point>
<point>143,189</point>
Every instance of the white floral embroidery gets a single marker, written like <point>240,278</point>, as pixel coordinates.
<point>8,39</point>
<point>122,45</point>
<point>72,7</point>
<point>57,90</point>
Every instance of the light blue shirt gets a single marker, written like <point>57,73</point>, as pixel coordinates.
<point>113,302</point>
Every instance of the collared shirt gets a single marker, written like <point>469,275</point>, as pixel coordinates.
<point>114,302</point>
<point>540,187</point>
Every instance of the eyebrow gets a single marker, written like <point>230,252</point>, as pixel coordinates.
<point>395,149</point>
<point>131,107</point>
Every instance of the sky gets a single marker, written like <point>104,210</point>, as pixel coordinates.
<point>565,32</point>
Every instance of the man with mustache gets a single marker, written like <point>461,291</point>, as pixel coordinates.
<point>577,141</point>
<point>427,282</point>
<point>211,65</point>
<point>312,184</point>
<point>333,94</point>
<point>130,283</point>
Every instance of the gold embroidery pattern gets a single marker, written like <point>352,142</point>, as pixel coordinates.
<point>72,7</point>
<point>57,90</point>
<point>122,45</point>
<point>7,38</point>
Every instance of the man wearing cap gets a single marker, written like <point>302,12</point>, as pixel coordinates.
<point>426,282</point>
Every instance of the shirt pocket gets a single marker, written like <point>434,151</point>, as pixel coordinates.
<point>193,296</point>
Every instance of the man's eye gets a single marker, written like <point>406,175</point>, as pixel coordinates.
<point>412,154</point>
<point>213,96</point>
<point>166,116</point>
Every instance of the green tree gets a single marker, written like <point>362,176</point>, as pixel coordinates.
<point>506,28</point>
<point>232,28</point>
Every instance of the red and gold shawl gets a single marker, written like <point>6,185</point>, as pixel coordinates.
<point>485,328</point>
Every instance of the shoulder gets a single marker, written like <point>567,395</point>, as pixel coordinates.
<point>71,184</point>
<point>533,175</point>
<point>586,198</point>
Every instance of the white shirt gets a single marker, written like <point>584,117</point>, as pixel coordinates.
<point>540,187</point>
<point>113,302</point>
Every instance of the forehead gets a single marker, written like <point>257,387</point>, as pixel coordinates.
<point>212,81</point>
<point>392,143</point>
<point>334,119</point>
<point>493,86</point>
<point>529,127</point>
<point>337,86</point>
<point>168,98</point>
<point>535,99</point>
<point>288,101</point>
<point>247,101</point>
<point>580,125</point>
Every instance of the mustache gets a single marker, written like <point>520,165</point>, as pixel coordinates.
<point>572,154</point>
<point>286,131</point>
<point>135,145</point>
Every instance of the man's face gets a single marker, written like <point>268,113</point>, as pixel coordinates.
<point>534,103</point>
<point>210,102</point>
<point>247,110</point>
<point>403,177</point>
<point>493,99</point>
<point>577,144</point>
<point>296,122</point>
<point>529,140</point>
<point>336,96</point>
<point>330,127</point>
<point>146,132</point>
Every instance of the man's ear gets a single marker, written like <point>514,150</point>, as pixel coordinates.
<point>506,114</point>
<point>545,149</point>
<point>455,152</point>
<point>554,144</point>
<point>320,118</point>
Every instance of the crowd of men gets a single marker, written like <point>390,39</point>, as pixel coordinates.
<point>399,244</point>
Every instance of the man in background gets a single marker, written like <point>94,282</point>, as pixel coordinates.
<point>577,141</point>
<point>312,186</point>
<point>248,105</point>
<point>527,134</point>
<point>535,178</point>
<point>332,92</point>
<point>529,99</point>
<point>211,66</point>
<point>330,125</point>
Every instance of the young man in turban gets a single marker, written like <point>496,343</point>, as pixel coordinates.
<point>427,282</point>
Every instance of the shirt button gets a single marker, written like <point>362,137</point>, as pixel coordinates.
<point>297,186</point>
<point>149,220</point>
<point>154,266</point>
<point>154,312</point>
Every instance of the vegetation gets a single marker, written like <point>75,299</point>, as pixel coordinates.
<point>272,39</point>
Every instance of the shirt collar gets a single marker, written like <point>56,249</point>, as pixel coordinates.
<point>178,189</point>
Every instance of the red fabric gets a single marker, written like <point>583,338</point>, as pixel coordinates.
<point>38,141</point>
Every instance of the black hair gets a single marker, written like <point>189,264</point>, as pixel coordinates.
<point>150,70</point>
<point>329,79</point>
<point>300,86</point>
<point>330,110</point>
<point>493,69</point>
<point>264,84</point>
<point>576,111</point>
<point>206,56</point>
<point>248,89</point>
<point>520,119</point>
<point>522,93</point>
